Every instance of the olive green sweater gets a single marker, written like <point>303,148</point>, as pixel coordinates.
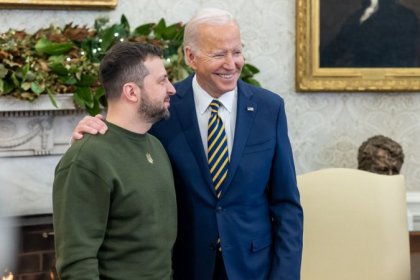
<point>114,208</point>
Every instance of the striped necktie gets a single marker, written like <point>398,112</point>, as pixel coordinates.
<point>218,156</point>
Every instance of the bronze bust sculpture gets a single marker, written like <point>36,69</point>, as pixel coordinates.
<point>380,154</point>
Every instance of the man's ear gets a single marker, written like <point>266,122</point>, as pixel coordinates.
<point>190,57</point>
<point>131,92</point>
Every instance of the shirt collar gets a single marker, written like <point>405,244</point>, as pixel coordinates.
<point>202,99</point>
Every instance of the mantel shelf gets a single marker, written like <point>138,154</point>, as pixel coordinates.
<point>42,103</point>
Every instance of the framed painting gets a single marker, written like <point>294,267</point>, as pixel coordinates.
<point>54,4</point>
<point>357,45</point>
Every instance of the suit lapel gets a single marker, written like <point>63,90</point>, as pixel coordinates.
<point>245,115</point>
<point>188,121</point>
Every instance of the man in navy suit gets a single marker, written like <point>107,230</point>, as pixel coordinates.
<point>253,229</point>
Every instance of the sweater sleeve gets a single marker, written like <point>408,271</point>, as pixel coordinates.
<point>81,201</point>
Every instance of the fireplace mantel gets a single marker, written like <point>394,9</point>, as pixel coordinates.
<point>33,136</point>
<point>36,128</point>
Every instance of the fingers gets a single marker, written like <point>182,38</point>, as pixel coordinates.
<point>94,125</point>
<point>99,116</point>
<point>90,125</point>
<point>76,136</point>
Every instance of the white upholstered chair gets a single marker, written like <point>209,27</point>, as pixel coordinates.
<point>355,226</point>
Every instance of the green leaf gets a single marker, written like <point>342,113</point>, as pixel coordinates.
<point>15,79</point>
<point>46,46</point>
<point>95,109</point>
<point>113,34</point>
<point>107,38</point>
<point>143,30</point>
<point>84,97</point>
<point>159,28</point>
<point>79,101</point>
<point>125,24</point>
<point>36,88</point>
<point>251,68</point>
<point>245,73</point>
<point>52,98</point>
<point>58,68</point>
<point>88,45</point>
<point>3,71</point>
<point>6,87</point>
<point>86,80</point>
<point>25,70</point>
<point>99,93</point>
<point>171,32</point>
<point>248,71</point>
<point>68,80</point>
<point>88,100</point>
<point>57,59</point>
<point>100,96</point>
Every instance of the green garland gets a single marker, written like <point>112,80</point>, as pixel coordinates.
<point>57,60</point>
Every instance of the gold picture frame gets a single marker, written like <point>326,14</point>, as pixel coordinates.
<point>54,4</point>
<point>311,77</point>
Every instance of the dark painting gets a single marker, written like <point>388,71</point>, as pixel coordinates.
<point>369,33</point>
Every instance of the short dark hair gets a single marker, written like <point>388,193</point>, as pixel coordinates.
<point>124,63</point>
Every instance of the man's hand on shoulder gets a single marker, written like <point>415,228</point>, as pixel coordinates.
<point>90,125</point>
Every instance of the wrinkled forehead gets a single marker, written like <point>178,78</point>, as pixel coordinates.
<point>219,35</point>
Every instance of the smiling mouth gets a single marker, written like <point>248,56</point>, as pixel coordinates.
<point>226,76</point>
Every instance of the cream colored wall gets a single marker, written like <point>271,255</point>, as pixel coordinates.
<point>325,128</point>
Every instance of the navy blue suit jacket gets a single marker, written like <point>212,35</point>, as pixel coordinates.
<point>259,217</point>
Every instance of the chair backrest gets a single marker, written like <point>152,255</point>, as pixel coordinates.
<point>355,226</point>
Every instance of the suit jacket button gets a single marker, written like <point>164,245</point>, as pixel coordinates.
<point>219,209</point>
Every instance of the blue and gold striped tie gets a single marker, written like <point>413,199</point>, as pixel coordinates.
<point>218,156</point>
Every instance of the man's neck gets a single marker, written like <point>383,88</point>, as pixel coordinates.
<point>125,120</point>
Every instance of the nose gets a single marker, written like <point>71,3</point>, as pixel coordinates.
<point>170,89</point>
<point>229,61</point>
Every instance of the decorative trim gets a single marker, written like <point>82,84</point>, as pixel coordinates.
<point>109,4</point>
<point>42,103</point>
<point>37,128</point>
<point>310,77</point>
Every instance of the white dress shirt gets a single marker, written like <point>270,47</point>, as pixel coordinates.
<point>227,112</point>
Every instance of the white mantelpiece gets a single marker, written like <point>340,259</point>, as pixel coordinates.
<point>36,128</point>
<point>33,136</point>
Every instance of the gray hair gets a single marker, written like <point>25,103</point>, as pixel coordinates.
<point>205,16</point>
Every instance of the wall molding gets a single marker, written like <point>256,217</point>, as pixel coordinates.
<point>413,211</point>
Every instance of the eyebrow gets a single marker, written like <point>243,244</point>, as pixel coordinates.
<point>163,77</point>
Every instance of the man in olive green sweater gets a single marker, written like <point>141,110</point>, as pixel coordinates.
<point>114,203</point>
